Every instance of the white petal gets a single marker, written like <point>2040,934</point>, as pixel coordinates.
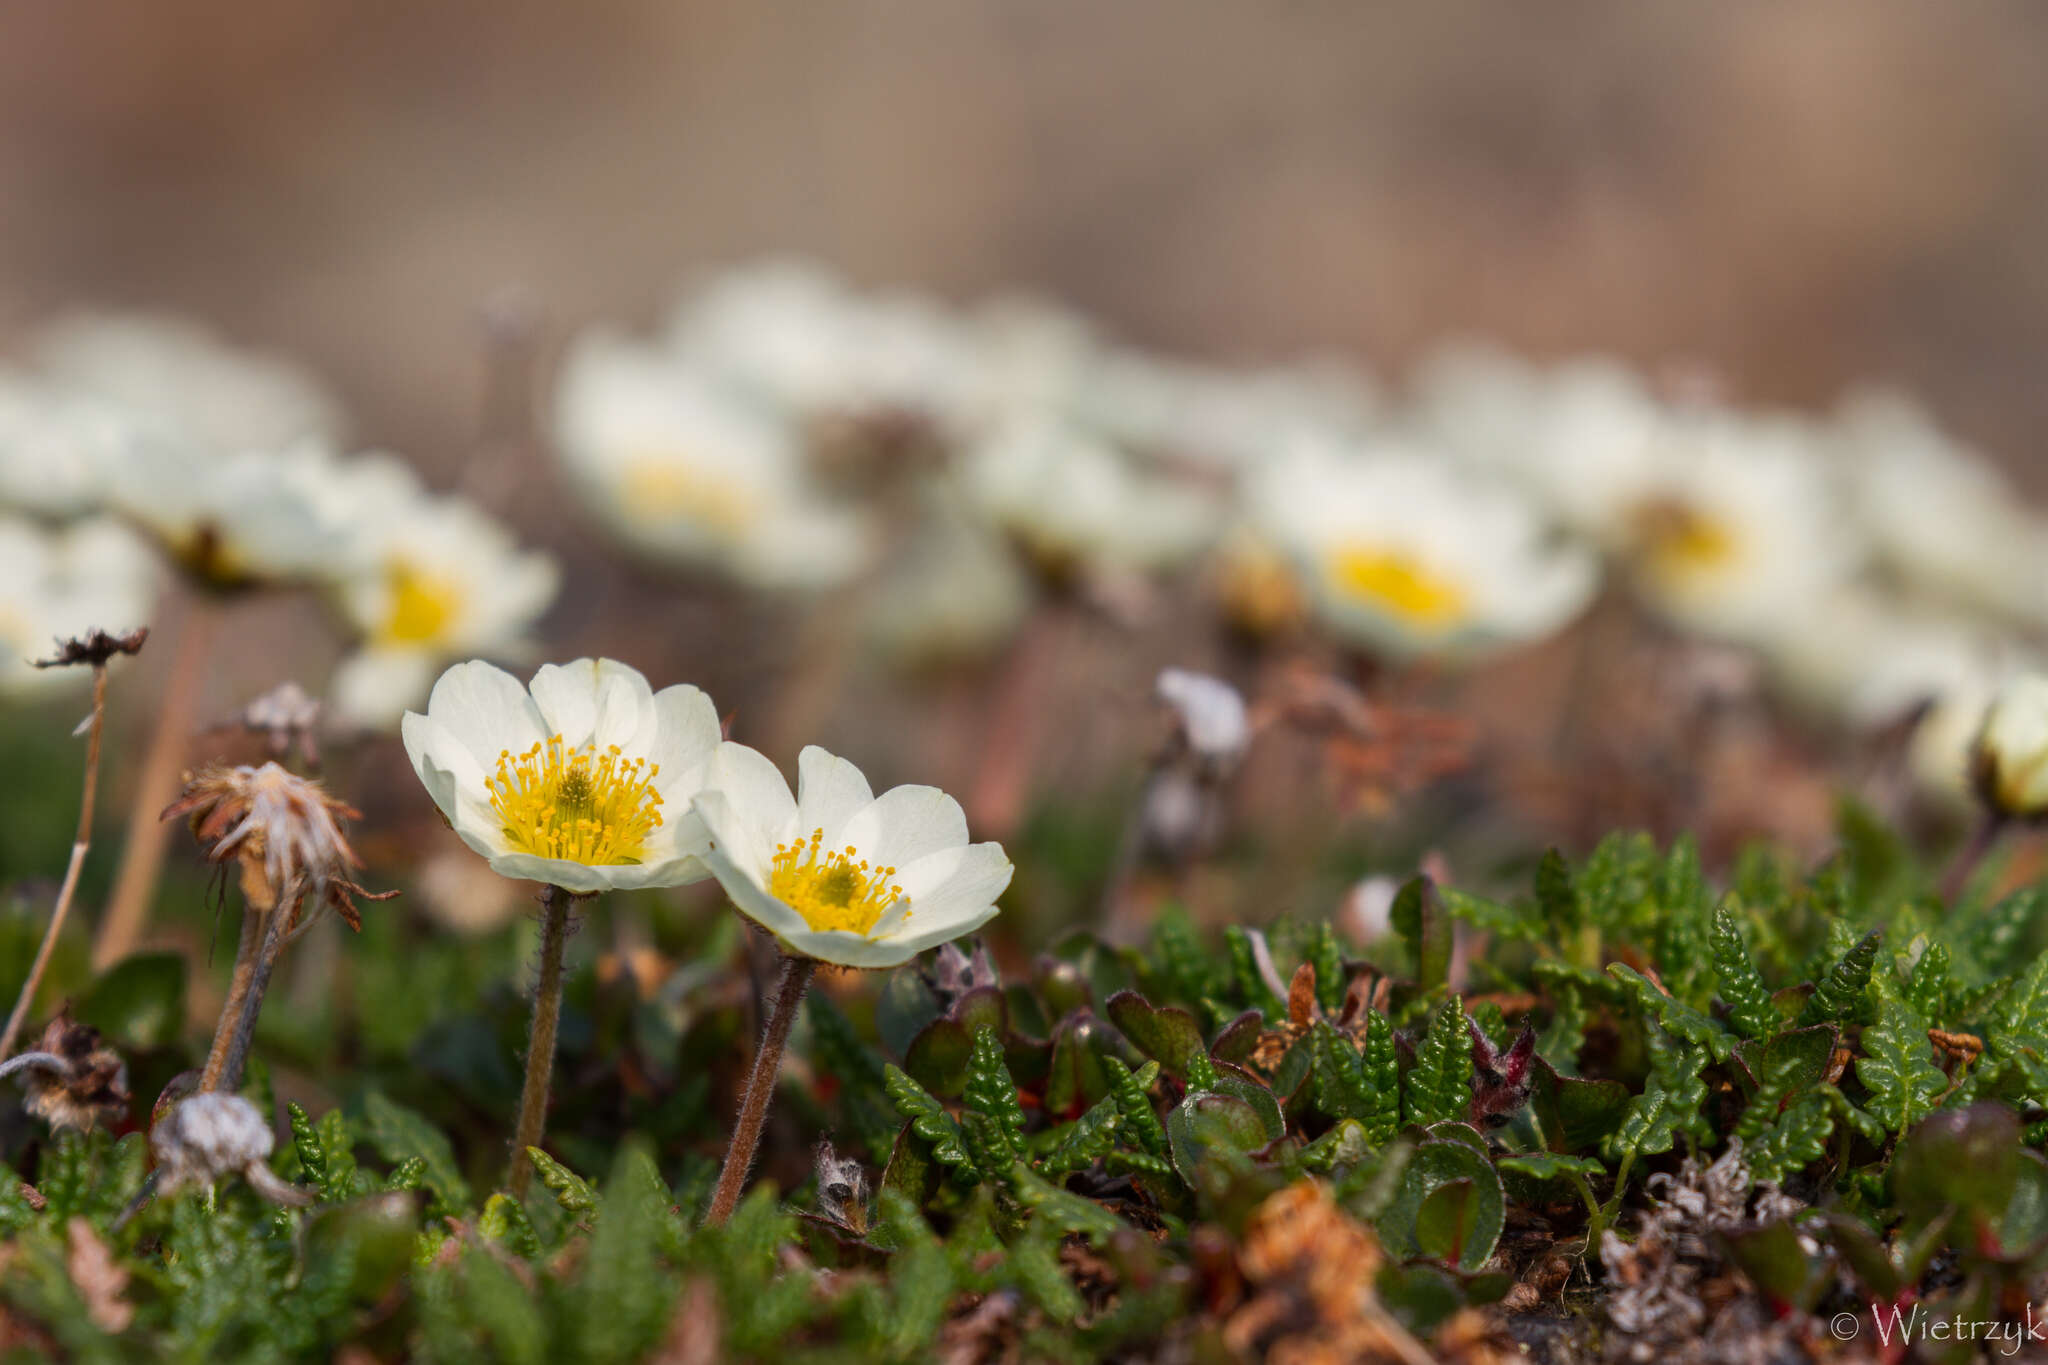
<point>969,877</point>
<point>904,824</point>
<point>829,792</point>
<point>848,950</point>
<point>678,870</point>
<point>689,733</point>
<point>727,832</point>
<point>593,700</point>
<point>756,792</point>
<point>577,877</point>
<point>454,780</point>
<point>751,900</point>
<point>372,688</point>
<point>487,710</point>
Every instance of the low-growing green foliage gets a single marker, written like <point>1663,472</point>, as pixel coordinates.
<point>1074,1143</point>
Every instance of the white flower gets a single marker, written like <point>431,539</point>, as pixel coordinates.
<point>1734,526</point>
<point>1942,517</point>
<point>1075,503</point>
<point>685,473</point>
<point>1224,419</point>
<point>59,584</point>
<point>1410,555</point>
<point>443,580</point>
<point>838,873</point>
<point>185,384</point>
<point>2010,758</point>
<point>55,447</point>
<point>257,517</point>
<point>584,780</point>
<point>952,593</point>
<point>791,336</point>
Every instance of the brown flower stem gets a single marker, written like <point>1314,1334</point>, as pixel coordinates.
<point>746,1131</point>
<point>1957,878</point>
<point>231,1007</point>
<point>142,859</point>
<point>79,844</point>
<point>540,1044</point>
<point>235,1055</point>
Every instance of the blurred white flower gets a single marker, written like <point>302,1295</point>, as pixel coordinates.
<point>2010,758</point>
<point>1225,419</point>
<point>59,584</point>
<point>254,518</point>
<point>839,874</point>
<point>584,779</point>
<point>1869,659</point>
<point>1076,504</point>
<point>186,384</point>
<point>1411,555</point>
<point>1736,527</point>
<point>684,473</point>
<point>440,580</point>
<point>1941,516</point>
<point>56,448</point>
<point>792,336</point>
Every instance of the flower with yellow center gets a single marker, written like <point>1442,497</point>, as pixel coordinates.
<point>438,579</point>
<point>837,873</point>
<point>686,472</point>
<point>1409,555</point>
<point>584,779</point>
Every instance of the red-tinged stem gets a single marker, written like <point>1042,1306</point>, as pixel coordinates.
<point>746,1132</point>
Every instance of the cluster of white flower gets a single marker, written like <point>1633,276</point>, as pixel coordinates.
<point>119,433</point>
<point>1876,564</point>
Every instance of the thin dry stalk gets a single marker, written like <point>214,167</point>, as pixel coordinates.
<point>79,844</point>
<point>238,991</point>
<point>142,860</point>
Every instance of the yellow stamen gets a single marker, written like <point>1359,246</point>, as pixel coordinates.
<point>1398,583</point>
<point>576,804</point>
<point>828,887</point>
<point>422,605</point>
<point>662,489</point>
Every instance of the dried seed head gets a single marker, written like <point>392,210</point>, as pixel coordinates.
<point>953,973</point>
<point>842,1189</point>
<point>211,1135</point>
<point>283,829</point>
<point>94,647</point>
<point>84,1084</point>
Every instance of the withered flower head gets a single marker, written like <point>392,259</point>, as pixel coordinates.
<point>94,647</point>
<point>284,831</point>
<point>72,1078</point>
<point>214,1134</point>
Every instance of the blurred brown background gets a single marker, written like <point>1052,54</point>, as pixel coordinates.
<point>1798,194</point>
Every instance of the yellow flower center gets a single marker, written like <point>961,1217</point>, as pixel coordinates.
<point>659,488</point>
<point>422,608</point>
<point>828,887</point>
<point>1397,583</point>
<point>576,804</point>
<point>1679,541</point>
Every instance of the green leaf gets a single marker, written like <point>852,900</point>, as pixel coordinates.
<point>1675,1015</point>
<point>930,1121</point>
<point>1170,1036</point>
<point>1795,1141</point>
<point>571,1190</point>
<point>994,1120</point>
<point>1505,921</point>
<point>1551,1165</point>
<point>400,1134</point>
<point>1382,1116</point>
<point>1927,989</point>
<point>1338,1075</point>
<point>1670,1102</point>
<point>1574,1114</point>
<point>1440,1085</point>
<point>1418,917</point>
<point>1741,984</point>
<point>1133,1105</point>
<point>1898,1069</point>
<point>1206,1119</point>
<point>1840,994</point>
<point>1557,899</point>
<point>1481,1215</point>
<point>1328,957</point>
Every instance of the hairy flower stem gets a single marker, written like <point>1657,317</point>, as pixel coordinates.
<point>236,1052</point>
<point>540,1044</point>
<point>238,991</point>
<point>79,844</point>
<point>142,859</point>
<point>1957,878</point>
<point>746,1131</point>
